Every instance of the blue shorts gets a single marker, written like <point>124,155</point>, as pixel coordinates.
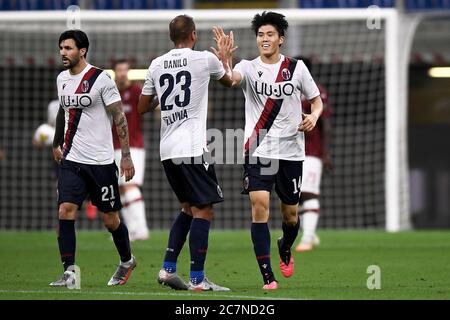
<point>77,181</point>
<point>262,174</point>
<point>193,180</point>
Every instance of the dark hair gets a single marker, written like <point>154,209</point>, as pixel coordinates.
<point>272,18</point>
<point>306,61</point>
<point>181,28</point>
<point>120,61</point>
<point>80,38</point>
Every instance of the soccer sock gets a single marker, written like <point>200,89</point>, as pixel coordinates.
<point>290,233</point>
<point>261,245</point>
<point>67,242</point>
<point>198,245</point>
<point>134,214</point>
<point>309,219</point>
<point>177,238</point>
<point>122,242</point>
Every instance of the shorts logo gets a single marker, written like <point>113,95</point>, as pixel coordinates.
<point>206,165</point>
<point>246,183</point>
<point>219,191</point>
<point>85,86</point>
<point>286,74</point>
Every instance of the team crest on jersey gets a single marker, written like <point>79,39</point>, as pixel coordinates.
<point>286,74</point>
<point>219,191</point>
<point>85,86</point>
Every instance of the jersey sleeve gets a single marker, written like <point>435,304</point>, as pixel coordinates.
<point>306,82</point>
<point>240,67</point>
<point>109,91</point>
<point>215,67</point>
<point>149,85</point>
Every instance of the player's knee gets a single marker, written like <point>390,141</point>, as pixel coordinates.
<point>203,212</point>
<point>111,221</point>
<point>289,214</point>
<point>67,211</point>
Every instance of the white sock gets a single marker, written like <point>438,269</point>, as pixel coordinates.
<point>309,226</point>
<point>135,211</point>
<point>310,218</point>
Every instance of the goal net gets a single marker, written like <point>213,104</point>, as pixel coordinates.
<point>356,63</point>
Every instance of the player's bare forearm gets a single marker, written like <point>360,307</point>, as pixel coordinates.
<point>120,121</point>
<point>147,103</point>
<point>59,128</point>
<point>309,120</point>
<point>316,107</point>
<point>121,124</point>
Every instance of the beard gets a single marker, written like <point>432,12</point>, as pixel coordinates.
<point>72,63</point>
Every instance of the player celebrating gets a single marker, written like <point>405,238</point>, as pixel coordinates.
<point>317,143</point>
<point>272,85</point>
<point>133,210</point>
<point>180,80</point>
<point>89,102</point>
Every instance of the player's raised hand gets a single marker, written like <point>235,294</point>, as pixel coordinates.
<point>308,122</point>
<point>57,154</point>
<point>127,167</point>
<point>225,44</point>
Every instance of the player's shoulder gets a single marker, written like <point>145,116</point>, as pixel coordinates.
<point>247,63</point>
<point>63,75</point>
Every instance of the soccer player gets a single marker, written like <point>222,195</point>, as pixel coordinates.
<point>43,138</point>
<point>133,210</point>
<point>318,156</point>
<point>180,80</point>
<point>274,140</point>
<point>89,103</point>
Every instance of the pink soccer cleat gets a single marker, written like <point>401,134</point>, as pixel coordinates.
<point>287,270</point>
<point>271,286</point>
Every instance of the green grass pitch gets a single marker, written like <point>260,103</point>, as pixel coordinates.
<point>414,265</point>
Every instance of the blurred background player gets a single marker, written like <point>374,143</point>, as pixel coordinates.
<point>180,80</point>
<point>133,211</point>
<point>318,156</point>
<point>43,137</point>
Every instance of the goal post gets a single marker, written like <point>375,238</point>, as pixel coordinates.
<point>361,57</point>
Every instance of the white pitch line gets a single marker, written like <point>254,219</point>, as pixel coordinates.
<point>143,294</point>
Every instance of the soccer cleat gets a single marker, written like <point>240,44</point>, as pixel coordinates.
<point>271,286</point>
<point>68,278</point>
<point>287,268</point>
<point>304,247</point>
<point>206,285</point>
<point>123,272</point>
<point>172,280</point>
<point>308,244</point>
<point>316,240</point>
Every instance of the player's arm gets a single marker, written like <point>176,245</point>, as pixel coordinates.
<point>309,120</point>
<point>59,135</point>
<point>147,103</point>
<point>120,121</point>
<point>225,50</point>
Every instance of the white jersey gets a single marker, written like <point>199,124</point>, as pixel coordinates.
<point>87,132</point>
<point>180,78</point>
<point>273,109</point>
